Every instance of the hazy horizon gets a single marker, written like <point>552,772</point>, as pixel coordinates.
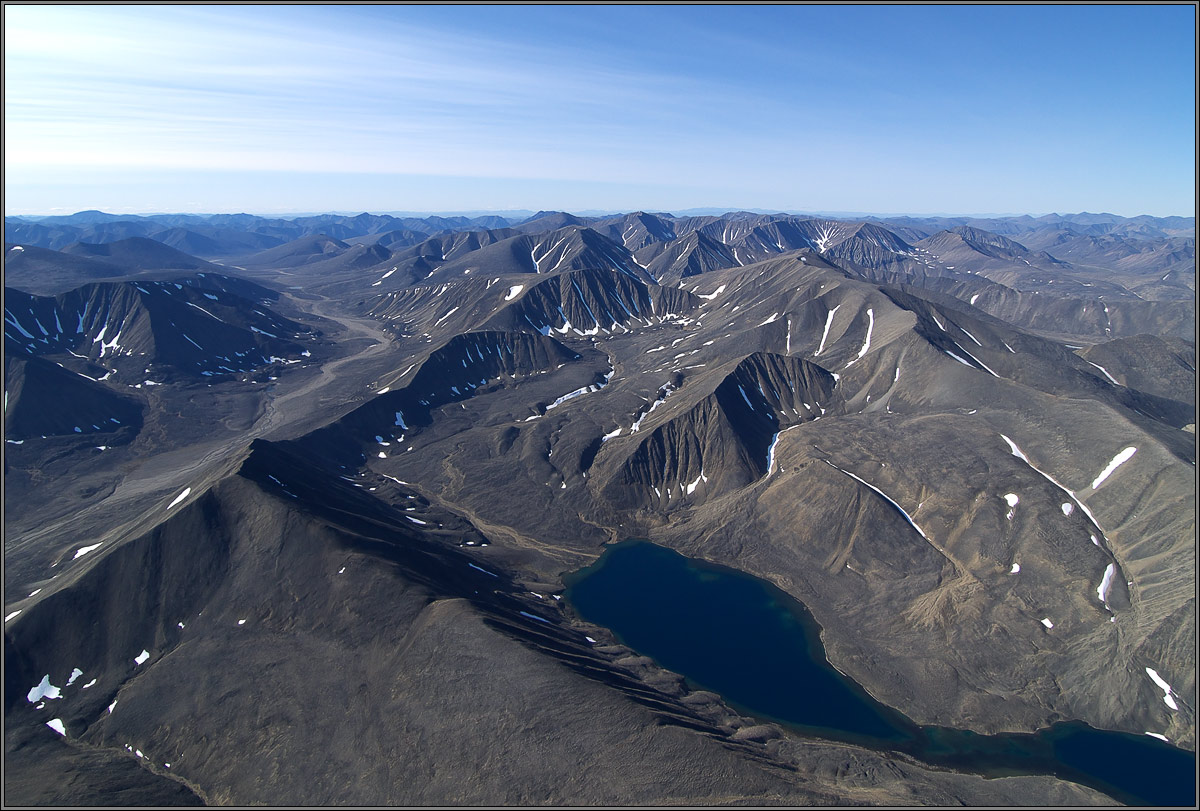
<point>525,213</point>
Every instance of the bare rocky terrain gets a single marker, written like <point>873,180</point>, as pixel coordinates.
<point>288,523</point>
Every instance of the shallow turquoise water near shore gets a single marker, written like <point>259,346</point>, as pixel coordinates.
<point>760,649</point>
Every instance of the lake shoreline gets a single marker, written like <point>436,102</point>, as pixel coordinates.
<point>1111,762</point>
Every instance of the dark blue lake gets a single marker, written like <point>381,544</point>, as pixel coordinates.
<point>760,649</point>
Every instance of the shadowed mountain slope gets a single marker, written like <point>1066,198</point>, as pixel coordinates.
<point>190,329</point>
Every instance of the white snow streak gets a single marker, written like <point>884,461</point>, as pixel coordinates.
<point>1106,583</point>
<point>889,500</point>
<point>84,550</point>
<point>963,361</point>
<point>825,334</point>
<point>1106,374</point>
<point>867,343</point>
<point>1162,685</point>
<point>771,454</point>
<point>513,291</point>
<point>1118,460</point>
<point>453,310</point>
<point>180,497</point>
<point>1017,453</point>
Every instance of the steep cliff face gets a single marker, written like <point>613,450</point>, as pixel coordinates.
<point>726,440</point>
<point>690,255</point>
<point>565,249</point>
<point>43,399</point>
<point>204,326</point>
<point>465,366</point>
<point>592,302</point>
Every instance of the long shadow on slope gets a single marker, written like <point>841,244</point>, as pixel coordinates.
<point>371,527</point>
<point>460,368</point>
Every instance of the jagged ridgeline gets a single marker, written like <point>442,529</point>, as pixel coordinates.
<point>202,325</point>
<point>726,440</point>
<point>466,365</point>
<point>591,302</point>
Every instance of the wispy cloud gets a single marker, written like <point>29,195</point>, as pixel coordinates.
<point>190,88</point>
<point>778,106</point>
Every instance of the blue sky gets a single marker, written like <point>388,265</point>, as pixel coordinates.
<point>884,109</point>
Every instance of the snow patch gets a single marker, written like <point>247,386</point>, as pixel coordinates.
<point>44,689</point>
<point>886,497</point>
<point>770,454</point>
<point>1106,583</point>
<point>825,334</point>
<point>1118,460</point>
<point>1162,685</point>
<point>867,343</point>
<point>969,335</point>
<point>1106,374</point>
<point>180,497</point>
